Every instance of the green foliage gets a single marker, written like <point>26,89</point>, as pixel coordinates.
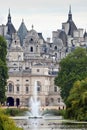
<point>77,101</point>
<point>72,68</point>
<point>54,112</point>
<point>7,124</point>
<point>3,69</point>
<point>14,111</point>
<point>3,49</point>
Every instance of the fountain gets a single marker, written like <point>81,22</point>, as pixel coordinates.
<point>34,104</point>
<point>33,121</point>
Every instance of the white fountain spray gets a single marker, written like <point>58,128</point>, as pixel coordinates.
<point>34,103</point>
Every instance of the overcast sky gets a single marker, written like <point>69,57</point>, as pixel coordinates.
<point>45,15</point>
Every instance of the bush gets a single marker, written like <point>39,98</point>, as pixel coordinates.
<point>54,112</point>
<point>15,111</point>
<point>7,124</point>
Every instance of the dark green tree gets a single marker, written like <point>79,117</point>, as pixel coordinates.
<point>72,68</point>
<point>3,49</point>
<point>77,101</point>
<point>3,69</point>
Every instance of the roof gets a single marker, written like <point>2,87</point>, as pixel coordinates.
<point>40,36</point>
<point>72,27</point>
<point>63,37</point>
<point>71,23</point>
<point>10,26</point>
<point>85,34</point>
<point>22,32</point>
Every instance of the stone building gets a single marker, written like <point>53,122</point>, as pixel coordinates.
<point>32,59</point>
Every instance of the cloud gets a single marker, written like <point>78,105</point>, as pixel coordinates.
<point>35,4</point>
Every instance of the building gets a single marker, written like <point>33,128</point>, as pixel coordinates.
<point>31,59</point>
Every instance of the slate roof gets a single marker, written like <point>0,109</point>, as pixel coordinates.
<point>72,25</point>
<point>11,28</point>
<point>40,36</point>
<point>22,32</point>
<point>85,34</point>
<point>63,37</point>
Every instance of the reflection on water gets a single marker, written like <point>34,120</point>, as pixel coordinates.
<point>49,124</point>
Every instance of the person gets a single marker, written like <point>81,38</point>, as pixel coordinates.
<point>8,104</point>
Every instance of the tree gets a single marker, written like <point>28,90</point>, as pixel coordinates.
<point>3,69</point>
<point>72,68</point>
<point>77,101</point>
<point>3,49</point>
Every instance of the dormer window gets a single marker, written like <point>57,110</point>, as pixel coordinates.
<point>31,49</point>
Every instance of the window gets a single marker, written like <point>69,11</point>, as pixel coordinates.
<point>38,70</point>
<point>56,55</point>
<point>14,64</point>
<point>58,100</point>
<point>27,68</point>
<point>55,47</point>
<point>27,89</point>
<point>31,39</point>
<point>17,89</point>
<point>10,87</point>
<point>27,80</point>
<point>38,86</point>
<point>31,49</point>
<point>55,89</point>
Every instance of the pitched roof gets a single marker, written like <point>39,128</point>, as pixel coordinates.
<point>22,32</point>
<point>72,25</point>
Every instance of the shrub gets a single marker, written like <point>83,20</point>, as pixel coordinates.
<point>7,124</point>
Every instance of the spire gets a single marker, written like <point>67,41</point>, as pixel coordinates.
<point>70,9</point>
<point>9,17</point>
<point>32,26</point>
<point>70,14</point>
<point>22,20</point>
<point>9,24</point>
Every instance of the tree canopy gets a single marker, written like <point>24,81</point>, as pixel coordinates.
<point>3,49</point>
<point>77,101</point>
<point>3,69</point>
<point>72,68</point>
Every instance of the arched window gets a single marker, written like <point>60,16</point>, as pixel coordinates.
<point>55,47</point>
<point>31,49</point>
<point>10,87</point>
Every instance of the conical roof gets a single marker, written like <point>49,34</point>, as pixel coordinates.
<point>10,26</point>
<point>22,32</point>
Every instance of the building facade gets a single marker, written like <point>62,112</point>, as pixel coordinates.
<point>31,59</point>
